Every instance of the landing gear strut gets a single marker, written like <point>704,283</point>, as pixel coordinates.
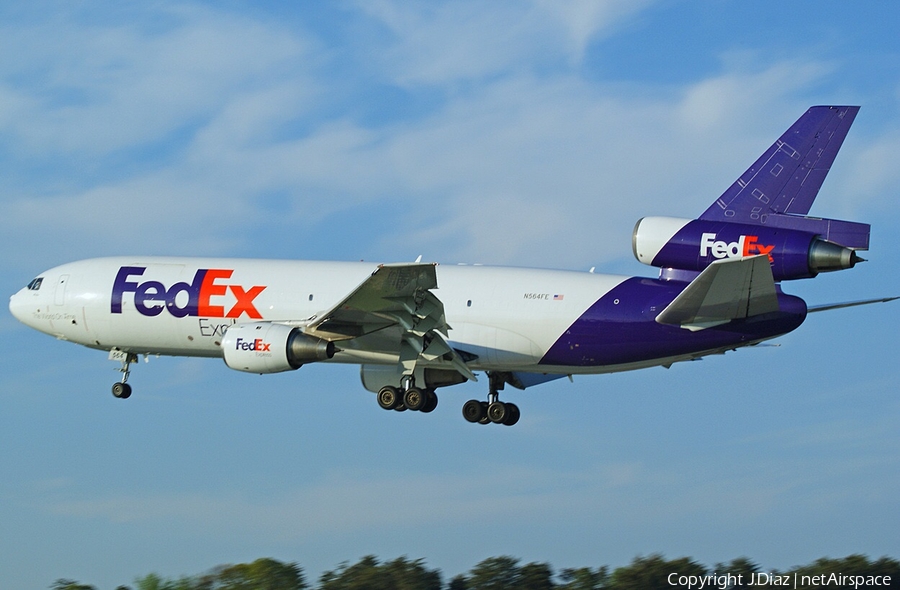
<point>492,410</point>
<point>121,389</point>
<point>407,397</point>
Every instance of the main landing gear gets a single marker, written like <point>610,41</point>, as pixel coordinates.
<point>493,410</point>
<point>121,389</point>
<point>407,397</point>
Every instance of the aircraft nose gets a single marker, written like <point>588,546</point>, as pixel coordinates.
<point>17,307</point>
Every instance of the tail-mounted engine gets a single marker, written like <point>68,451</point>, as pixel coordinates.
<point>684,244</point>
<point>266,347</point>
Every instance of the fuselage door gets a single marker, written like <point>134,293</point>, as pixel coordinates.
<point>60,297</point>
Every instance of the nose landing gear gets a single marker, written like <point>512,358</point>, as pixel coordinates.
<point>121,389</point>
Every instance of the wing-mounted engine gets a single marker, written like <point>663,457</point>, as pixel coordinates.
<point>683,244</point>
<point>267,347</point>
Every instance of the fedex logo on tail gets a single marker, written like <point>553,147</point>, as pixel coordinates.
<point>745,246</point>
<point>204,295</point>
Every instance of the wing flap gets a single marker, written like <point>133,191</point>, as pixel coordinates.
<point>395,296</point>
<point>728,289</point>
<point>388,297</point>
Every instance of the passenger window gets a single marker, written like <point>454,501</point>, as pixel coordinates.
<point>35,284</point>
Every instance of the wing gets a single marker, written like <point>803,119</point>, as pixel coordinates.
<point>728,289</point>
<point>395,300</point>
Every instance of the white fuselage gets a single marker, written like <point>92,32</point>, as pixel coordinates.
<point>508,317</point>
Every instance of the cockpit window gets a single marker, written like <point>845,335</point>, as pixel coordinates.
<point>35,284</point>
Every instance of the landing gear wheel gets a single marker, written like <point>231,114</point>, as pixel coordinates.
<point>513,414</point>
<point>497,412</point>
<point>121,390</point>
<point>389,397</point>
<point>484,415</point>
<point>432,402</point>
<point>472,410</point>
<point>415,399</point>
<point>493,410</point>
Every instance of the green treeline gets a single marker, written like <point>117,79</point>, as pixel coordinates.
<point>503,573</point>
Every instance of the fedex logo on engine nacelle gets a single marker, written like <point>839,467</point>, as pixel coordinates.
<point>256,345</point>
<point>151,297</point>
<point>745,246</point>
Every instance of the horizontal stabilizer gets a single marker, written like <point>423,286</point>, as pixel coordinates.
<point>728,289</point>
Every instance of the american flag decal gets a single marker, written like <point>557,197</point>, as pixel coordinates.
<point>558,297</point>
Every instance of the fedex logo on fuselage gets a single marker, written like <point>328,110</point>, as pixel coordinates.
<point>203,295</point>
<point>745,246</point>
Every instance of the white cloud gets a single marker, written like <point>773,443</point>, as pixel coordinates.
<point>445,43</point>
<point>96,88</point>
<point>744,94</point>
<point>873,174</point>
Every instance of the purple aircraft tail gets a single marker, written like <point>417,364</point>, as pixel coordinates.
<point>780,187</point>
<point>764,211</point>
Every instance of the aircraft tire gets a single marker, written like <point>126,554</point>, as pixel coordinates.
<point>513,416</point>
<point>121,390</point>
<point>388,397</point>
<point>415,399</point>
<point>472,410</point>
<point>497,412</point>
<point>432,402</point>
<point>484,415</point>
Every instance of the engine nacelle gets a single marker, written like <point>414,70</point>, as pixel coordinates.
<point>267,347</point>
<point>374,377</point>
<point>685,244</point>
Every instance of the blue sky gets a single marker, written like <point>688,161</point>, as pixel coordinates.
<point>523,133</point>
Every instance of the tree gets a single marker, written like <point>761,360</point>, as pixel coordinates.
<point>63,584</point>
<point>741,568</point>
<point>155,582</point>
<point>458,582</point>
<point>584,578</point>
<point>262,574</point>
<point>536,576</point>
<point>652,573</point>
<point>495,573</point>
<point>368,574</point>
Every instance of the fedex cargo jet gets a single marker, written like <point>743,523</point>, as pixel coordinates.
<point>416,327</point>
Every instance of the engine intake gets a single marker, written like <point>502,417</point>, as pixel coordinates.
<point>267,347</point>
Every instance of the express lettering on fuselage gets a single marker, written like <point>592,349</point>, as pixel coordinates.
<point>151,297</point>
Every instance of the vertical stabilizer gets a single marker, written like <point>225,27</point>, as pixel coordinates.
<point>780,187</point>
